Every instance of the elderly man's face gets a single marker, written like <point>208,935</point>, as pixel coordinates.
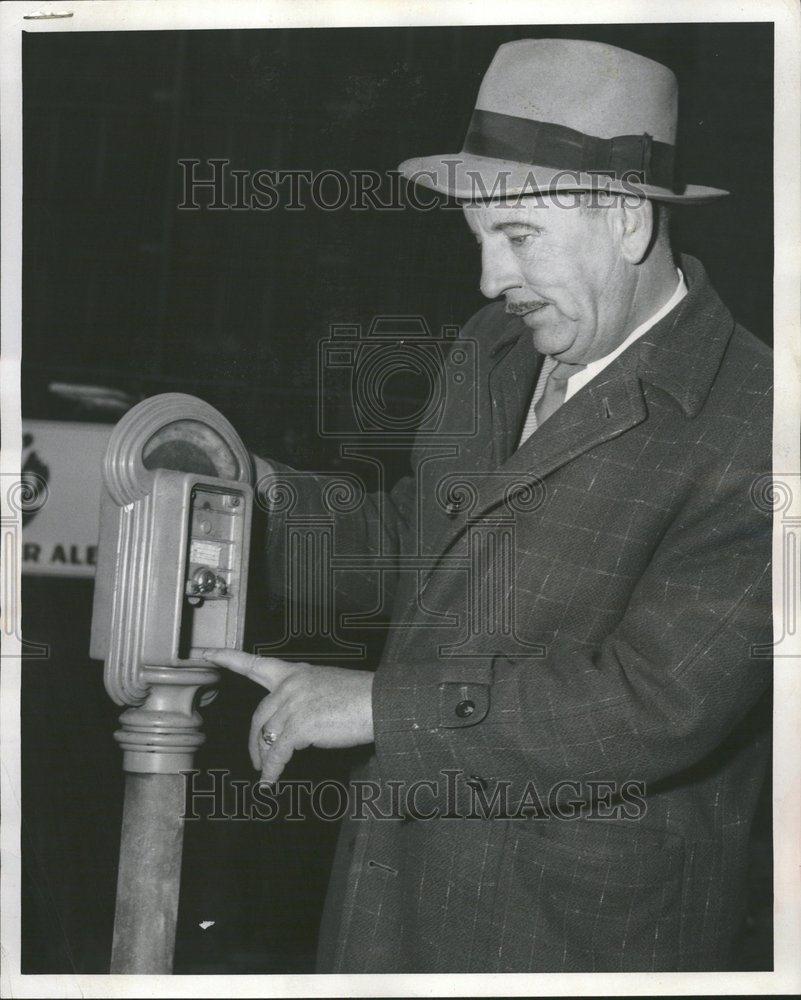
<point>559,268</point>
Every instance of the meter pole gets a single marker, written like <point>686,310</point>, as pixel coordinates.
<point>158,740</point>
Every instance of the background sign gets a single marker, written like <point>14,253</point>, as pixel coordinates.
<point>60,537</point>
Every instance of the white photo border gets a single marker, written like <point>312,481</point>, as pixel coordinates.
<point>140,15</point>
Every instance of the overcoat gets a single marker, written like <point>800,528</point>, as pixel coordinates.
<point>580,627</point>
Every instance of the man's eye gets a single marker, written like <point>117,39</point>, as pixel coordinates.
<point>520,239</point>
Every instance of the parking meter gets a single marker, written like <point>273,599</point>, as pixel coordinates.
<point>171,581</point>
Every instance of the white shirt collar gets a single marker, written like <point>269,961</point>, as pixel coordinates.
<point>581,378</point>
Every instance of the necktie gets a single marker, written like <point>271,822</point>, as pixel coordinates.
<point>555,390</point>
<point>549,393</point>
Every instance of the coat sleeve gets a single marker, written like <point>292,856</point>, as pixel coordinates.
<point>660,692</point>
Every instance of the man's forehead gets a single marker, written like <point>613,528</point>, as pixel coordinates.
<point>488,213</point>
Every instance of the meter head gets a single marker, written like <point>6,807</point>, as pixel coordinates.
<point>175,520</point>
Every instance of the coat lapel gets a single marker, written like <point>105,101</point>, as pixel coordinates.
<point>597,414</point>
<point>511,384</point>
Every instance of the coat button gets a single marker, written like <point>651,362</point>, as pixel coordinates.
<point>465,708</point>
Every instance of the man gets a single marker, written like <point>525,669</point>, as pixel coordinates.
<point>623,419</point>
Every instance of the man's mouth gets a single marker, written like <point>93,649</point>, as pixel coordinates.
<point>524,308</point>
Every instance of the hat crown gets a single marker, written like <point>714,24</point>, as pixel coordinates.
<point>591,87</point>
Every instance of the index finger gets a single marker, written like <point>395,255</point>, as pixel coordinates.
<point>264,670</point>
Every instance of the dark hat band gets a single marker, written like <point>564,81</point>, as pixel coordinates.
<point>544,144</point>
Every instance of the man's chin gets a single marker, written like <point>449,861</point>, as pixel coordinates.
<point>547,337</point>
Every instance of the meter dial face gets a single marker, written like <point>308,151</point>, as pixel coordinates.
<point>190,446</point>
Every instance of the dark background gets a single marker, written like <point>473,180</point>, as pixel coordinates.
<point>122,290</point>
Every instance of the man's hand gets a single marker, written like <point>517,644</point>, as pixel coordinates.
<point>307,706</point>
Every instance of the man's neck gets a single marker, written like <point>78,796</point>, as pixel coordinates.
<point>656,283</point>
<point>589,371</point>
<point>653,284</point>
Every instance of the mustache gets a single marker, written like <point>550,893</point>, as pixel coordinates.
<point>520,308</point>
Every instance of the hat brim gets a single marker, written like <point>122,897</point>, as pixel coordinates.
<point>469,177</point>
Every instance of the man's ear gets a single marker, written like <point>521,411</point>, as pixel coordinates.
<point>636,228</point>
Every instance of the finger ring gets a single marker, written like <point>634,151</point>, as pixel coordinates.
<point>268,736</point>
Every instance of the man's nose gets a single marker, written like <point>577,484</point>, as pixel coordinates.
<point>499,270</point>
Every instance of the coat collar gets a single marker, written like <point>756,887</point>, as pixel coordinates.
<point>682,353</point>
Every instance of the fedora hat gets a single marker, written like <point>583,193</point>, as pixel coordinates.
<point>561,114</point>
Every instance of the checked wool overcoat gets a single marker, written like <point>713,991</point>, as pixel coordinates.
<point>590,611</point>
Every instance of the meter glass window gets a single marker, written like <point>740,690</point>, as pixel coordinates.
<point>190,446</point>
